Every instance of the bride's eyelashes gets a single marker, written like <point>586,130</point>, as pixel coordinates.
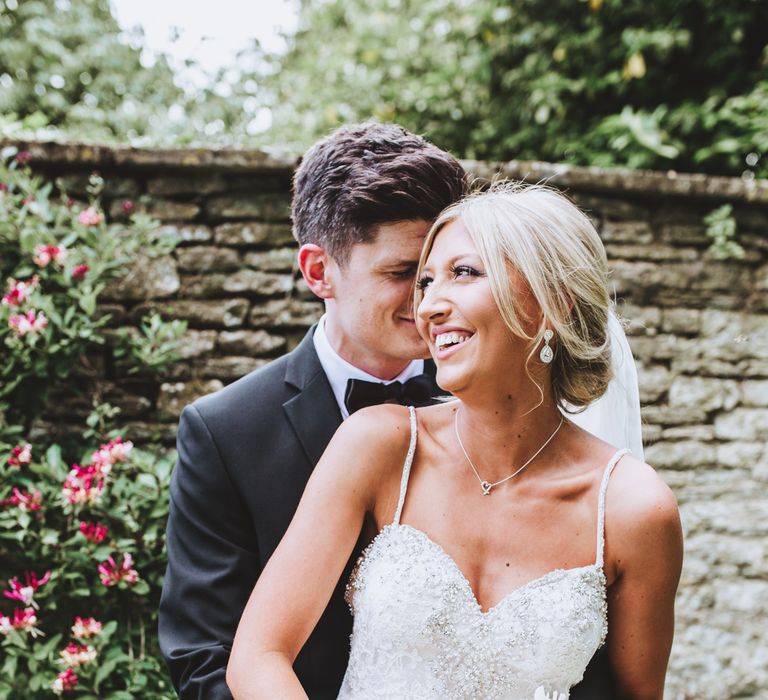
<point>423,282</point>
<point>456,271</point>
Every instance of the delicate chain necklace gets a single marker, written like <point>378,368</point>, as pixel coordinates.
<point>487,485</point>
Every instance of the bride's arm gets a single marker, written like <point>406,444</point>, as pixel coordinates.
<point>297,582</point>
<point>644,545</point>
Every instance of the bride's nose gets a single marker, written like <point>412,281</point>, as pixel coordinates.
<point>433,306</point>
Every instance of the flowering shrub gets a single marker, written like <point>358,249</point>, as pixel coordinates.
<point>82,523</point>
<point>79,614</point>
<point>55,260</point>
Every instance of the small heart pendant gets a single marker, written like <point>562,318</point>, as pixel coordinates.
<point>486,487</point>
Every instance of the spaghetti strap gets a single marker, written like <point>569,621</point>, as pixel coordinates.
<point>406,466</point>
<point>601,506</point>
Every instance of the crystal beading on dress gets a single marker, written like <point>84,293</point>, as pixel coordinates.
<point>420,633</point>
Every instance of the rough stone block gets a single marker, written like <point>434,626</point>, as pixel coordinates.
<point>251,283</point>
<point>707,367</point>
<point>632,232</point>
<point>756,369</point>
<point>265,207</point>
<point>687,454</point>
<point>742,424</point>
<point>253,343</point>
<point>653,381</point>
<point>639,320</point>
<point>707,393</point>
<point>754,392</point>
<point>174,396</point>
<point>253,233</point>
<point>684,321</point>
<point>683,234</point>
<point>651,434</point>
<point>655,252</point>
<point>740,454</point>
<point>703,433</point>
<point>732,336</point>
<point>673,415</point>
<point>742,596</point>
<point>231,368</point>
<point>650,349</point>
<point>147,278</point>
<point>197,343</point>
<point>285,313</point>
<point>275,260</point>
<point>187,233</point>
<point>169,210</point>
<point>223,313</point>
<point>208,259</point>
<point>76,185</point>
<point>613,209</point>
<point>172,185</point>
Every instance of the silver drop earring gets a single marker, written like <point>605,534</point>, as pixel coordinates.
<point>547,354</point>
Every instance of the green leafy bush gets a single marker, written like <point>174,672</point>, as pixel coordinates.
<point>81,525</point>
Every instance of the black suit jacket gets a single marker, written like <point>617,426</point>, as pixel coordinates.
<point>244,456</point>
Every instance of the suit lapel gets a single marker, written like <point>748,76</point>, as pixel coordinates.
<point>313,413</point>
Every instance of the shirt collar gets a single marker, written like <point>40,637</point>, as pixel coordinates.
<point>339,371</point>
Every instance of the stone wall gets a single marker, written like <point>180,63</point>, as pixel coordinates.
<point>698,328</point>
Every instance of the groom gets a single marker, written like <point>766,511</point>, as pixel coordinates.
<point>363,201</point>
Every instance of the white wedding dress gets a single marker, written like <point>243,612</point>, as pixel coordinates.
<point>420,633</point>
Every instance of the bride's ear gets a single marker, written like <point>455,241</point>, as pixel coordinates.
<point>315,264</point>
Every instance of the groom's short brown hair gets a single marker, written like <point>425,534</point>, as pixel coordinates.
<point>365,175</point>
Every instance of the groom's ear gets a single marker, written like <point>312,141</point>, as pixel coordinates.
<point>314,263</point>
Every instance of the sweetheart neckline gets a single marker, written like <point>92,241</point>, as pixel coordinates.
<point>452,563</point>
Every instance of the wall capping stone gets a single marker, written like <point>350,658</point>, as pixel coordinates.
<point>599,180</point>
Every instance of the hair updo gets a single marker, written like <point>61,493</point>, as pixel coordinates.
<point>554,246</point>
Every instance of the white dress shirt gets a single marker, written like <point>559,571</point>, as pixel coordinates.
<point>339,371</point>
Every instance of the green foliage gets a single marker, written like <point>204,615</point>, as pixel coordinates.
<point>132,506</point>
<point>59,257</point>
<point>657,84</point>
<point>721,228</point>
<point>92,516</point>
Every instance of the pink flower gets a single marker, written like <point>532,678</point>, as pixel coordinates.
<point>31,322</point>
<point>21,454</point>
<point>83,484</point>
<point>25,501</point>
<point>109,454</point>
<point>127,206</point>
<point>25,594</point>
<point>18,292</point>
<point>23,157</point>
<point>45,253</point>
<point>111,574</point>
<point>78,654</point>
<point>90,217</point>
<point>25,621</point>
<point>3,187</point>
<point>86,627</point>
<point>94,532</point>
<point>65,681</point>
<point>79,271</point>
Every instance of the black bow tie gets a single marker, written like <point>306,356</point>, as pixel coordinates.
<point>415,392</point>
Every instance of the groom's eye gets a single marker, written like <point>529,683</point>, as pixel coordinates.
<point>403,273</point>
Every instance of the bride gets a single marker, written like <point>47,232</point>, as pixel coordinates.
<point>506,543</point>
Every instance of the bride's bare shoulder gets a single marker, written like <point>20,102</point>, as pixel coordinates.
<point>376,439</point>
<point>641,513</point>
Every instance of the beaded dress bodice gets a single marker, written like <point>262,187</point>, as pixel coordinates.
<point>420,633</point>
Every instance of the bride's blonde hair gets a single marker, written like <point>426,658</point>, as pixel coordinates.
<point>554,246</point>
